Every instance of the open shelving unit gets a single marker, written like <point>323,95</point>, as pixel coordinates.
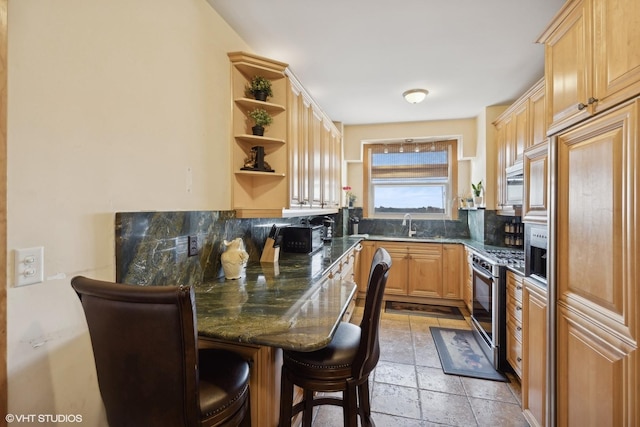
<point>257,193</point>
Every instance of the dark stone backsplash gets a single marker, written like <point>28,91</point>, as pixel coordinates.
<point>487,227</point>
<point>152,247</point>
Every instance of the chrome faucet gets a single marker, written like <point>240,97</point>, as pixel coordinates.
<point>404,222</point>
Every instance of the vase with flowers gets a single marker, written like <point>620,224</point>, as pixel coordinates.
<point>350,198</point>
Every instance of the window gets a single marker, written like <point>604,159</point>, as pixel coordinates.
<point>415,178</point>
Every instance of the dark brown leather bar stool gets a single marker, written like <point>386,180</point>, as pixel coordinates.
<point>344,365</point>
<point>150,371</point>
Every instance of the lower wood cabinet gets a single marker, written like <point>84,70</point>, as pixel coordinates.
<point>363,265</point>
<point>452,271</point>
<point>534,353</point>
<point>467,285</point>
<point>419,270</point>
<point>514,321</point>
<point>345,269</point>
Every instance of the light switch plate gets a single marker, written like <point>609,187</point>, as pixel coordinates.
<point>29,266</point>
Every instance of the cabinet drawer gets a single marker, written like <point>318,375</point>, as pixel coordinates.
<point>514,328</point>
<point>514,309</point>
<point>514,286</point>
<point>514,354</point>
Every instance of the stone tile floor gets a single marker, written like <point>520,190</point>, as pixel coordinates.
<point>409,388</point>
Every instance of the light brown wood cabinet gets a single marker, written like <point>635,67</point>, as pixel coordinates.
<point>535,205</point>
<point>315,153</point>
<point>424,271</point>
<point>363,267</point>
<point>345,269</point>
<point>514,321</point>
<point>534,353</point>
<point>302,146</point>
<point>591,59</point>
<point>421,272</point>
<point>519,127</point>
<point>452,270</point>
<point>597,278</point>
<point>468,279</point>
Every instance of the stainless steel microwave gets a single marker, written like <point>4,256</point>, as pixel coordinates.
<point>515,185</point>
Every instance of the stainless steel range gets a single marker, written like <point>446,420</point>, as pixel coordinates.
<point>488,312</point>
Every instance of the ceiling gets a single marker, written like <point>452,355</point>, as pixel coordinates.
<point>357,57</point>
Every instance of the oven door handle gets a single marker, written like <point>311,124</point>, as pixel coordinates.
<point>481,273</point>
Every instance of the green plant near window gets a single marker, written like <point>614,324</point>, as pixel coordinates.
<point>477,189</point>
<point>257,85</point>
<point>260,117</point>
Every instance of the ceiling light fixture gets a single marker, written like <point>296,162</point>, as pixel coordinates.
<point>417,149</point>
<point>401,149</point>
<point>415,96</point>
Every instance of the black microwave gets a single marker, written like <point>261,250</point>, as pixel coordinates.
<point>302,239</point>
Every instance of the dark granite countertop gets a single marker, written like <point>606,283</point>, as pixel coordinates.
<point>291,304</point>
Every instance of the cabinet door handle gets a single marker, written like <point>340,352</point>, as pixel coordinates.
<point>519,359</point>
<point>592,100</point>
<point>581,106</point>
<point>518,328</point>
<point>518,308</point>
<point>519,287</point>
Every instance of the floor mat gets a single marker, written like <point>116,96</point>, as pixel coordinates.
<point>428,310</point>
<point>460,354</point>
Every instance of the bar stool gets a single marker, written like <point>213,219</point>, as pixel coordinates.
<point>150,371</point>
<point>344,365</point>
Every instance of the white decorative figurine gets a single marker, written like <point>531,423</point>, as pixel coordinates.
<point>234,259</point>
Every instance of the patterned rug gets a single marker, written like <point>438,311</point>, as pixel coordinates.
<point>460,354</point>
<point>428,310</point>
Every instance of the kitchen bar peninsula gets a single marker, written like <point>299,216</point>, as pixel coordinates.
<point>294,304</point>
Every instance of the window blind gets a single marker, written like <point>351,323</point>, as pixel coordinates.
<point>410,162</point>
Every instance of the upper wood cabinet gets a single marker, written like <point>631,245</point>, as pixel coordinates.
<point>519,127</point>
<point>591,59</point>
<point>536,184</point>
<point>538,114</point>
<point>302,146</point>
<point>315,153</point>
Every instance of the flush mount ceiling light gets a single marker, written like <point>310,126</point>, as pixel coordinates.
<point>415,96</point>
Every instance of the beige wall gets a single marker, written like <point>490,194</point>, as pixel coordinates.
<point>110,104</point>
<point>355,135</point>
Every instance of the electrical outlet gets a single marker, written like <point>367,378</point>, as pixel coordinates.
<point>193,246</point>
<point>29,266</point>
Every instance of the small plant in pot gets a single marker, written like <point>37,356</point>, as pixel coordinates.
<point>477,193</point>
<point>261,119</point>
<point>259,88</point>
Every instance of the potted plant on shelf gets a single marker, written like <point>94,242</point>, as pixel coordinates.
<point>259,88</point>
<point>477,193</point>
<point>261,119</point>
